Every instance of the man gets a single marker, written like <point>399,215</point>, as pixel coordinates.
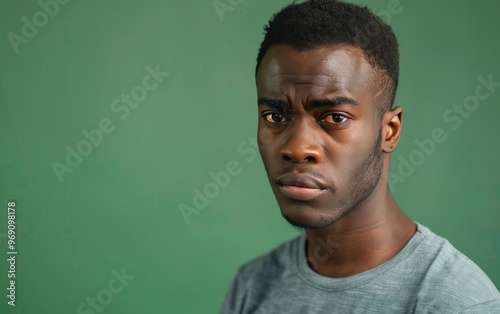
<point>327,74</point>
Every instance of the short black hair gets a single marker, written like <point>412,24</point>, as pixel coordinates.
<point>317,23</point>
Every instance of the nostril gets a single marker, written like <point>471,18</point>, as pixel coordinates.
<point>290,158</point>
<point>310,158</point>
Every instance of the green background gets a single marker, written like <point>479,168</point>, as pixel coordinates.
<point>120,207</point>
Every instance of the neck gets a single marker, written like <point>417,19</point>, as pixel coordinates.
<point>371,234</point>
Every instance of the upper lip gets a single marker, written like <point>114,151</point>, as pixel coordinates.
<point>301,180</point>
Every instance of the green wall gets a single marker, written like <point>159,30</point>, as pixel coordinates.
<point>115,206</point>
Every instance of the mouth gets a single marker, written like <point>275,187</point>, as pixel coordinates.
<point>301,187</point>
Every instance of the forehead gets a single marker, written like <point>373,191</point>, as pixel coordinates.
<point>333,68</point>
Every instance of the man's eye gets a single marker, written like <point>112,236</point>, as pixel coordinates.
<point>274,117</point>
<point>334,118</point>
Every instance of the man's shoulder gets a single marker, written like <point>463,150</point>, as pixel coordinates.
<point>260,275</point>
<point>450,275</point>
<point>276,261</point>
<point>446,264</point>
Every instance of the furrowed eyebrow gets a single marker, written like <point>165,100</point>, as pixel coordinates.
<point>273,103</point>
<point>331,102</point>
<point>282,104</point>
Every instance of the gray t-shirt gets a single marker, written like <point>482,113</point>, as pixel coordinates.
<point>428,276</point>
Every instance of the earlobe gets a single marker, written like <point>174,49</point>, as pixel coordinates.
<point>392,123</point>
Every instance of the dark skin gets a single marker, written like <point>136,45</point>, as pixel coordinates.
<point>326,151</point>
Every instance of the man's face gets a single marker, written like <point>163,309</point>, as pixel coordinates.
<point>319,133</point>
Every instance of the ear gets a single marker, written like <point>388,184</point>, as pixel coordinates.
<point>392,122</point>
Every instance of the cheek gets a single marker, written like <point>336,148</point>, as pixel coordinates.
<point>265,138</point>
<point>267,147</point>
<point>349,152</point>
<point>342,148</point>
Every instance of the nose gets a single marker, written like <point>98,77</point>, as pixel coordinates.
<point>302,144</point>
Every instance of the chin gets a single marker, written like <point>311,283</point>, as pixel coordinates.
<point>307,218</point>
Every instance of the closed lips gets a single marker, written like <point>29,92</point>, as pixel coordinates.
<point>304,181</point>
